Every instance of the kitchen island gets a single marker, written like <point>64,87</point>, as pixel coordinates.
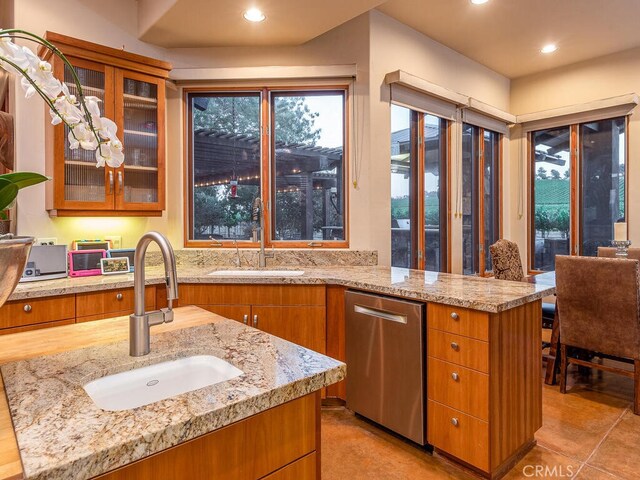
<point>61,433</point>
<point>484,331</point>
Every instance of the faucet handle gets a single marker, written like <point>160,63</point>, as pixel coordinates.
<point>167,315</point>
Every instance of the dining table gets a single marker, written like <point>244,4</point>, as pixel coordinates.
<point>553,360</point>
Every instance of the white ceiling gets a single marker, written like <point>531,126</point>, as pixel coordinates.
<point>504,35</point>
<point>206,23</point>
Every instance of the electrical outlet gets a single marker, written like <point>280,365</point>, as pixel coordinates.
<point>116,240</point>
<point>47,241</point>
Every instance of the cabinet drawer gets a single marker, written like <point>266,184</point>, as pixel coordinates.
<point>37,310</point>
<point>111,301</point>
<point>459,387</point>
<point>458,434</point>
<point>459,350</point>
<point>462,321</point>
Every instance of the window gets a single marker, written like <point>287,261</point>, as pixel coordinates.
<point>419,153</point>
<point>480,197</point>
<point>284,147</point>
<point>578,189</point>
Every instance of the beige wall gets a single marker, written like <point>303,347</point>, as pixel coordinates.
<point>394,46</point>
<point>600,78</point>
<point>374,42</point>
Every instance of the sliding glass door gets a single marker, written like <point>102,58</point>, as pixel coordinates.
<point>419,152</point>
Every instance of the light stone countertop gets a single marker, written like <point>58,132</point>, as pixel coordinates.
<point>62,434</point>
<point>485,294</point>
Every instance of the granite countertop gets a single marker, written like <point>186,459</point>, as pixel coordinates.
<point>62,433</point>
<point>485,294</point>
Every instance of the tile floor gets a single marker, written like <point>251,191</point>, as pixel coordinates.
<point>588,434</point>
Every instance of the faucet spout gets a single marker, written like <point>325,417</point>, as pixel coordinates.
<point>140,322</point>
<point>258,230</point>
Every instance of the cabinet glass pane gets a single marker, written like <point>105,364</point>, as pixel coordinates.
<point>83,182</point>
<point>551,196</point>
<point>141,141</point>
<point>401,200</point>
<point>603,181</point>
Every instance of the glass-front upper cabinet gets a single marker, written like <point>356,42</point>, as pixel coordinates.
<point>139,180</point>
<point>131,93</point>
<point>77,183</point>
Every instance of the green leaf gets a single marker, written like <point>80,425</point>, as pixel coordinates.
<point>24,179</point>
<point>8,192</point>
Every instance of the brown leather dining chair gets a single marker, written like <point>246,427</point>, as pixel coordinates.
<point>507,265</point>
<point>598,310</point>
<point>610,252</point>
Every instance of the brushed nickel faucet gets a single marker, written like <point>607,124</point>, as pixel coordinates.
<point>258,218</point>
<point>140,322</point>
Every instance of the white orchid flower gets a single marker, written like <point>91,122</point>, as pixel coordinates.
<point>10,51</point>
<point>87,129</point>
<point>110,153</point>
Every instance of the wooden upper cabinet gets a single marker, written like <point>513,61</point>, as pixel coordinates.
<point>132,93</point>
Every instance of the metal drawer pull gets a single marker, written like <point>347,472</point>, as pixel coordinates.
<point>394,317</point>
<point>27,308</point>
<point>119,296</point>
<point>245,319</point>
<point>455,316</point>
<point>455,376</point>
<point>455,346</point>
<point>255,321</point>
<point>455,422</point>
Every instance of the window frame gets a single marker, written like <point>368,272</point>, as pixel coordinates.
<point>267,163</point>
<point>477,189</point>
<point>575,187</point>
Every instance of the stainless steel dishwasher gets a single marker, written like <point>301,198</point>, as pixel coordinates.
<point>385,348</point>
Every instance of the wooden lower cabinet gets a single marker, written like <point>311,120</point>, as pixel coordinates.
<point>31,314</point>
<point>305,468</point>
<point>111,303</point>
<point>296,313</point>
<point>483,384</point>
<point>278,444</point>
<point>36,313</point>
<point>304,325</point>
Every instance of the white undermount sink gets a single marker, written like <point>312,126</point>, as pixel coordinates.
<point>145,385</point>
<point>257,273</point>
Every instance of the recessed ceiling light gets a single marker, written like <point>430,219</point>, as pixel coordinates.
<point>550,48</point>
<point>254,15</point>
<point>479,2</point>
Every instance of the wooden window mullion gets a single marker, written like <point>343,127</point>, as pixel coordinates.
<point>420,213</point>
<point>480,216</point>
<point>267,165</point>
<point>574,232</point>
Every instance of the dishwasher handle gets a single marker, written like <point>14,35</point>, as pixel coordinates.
<point>394,317</point>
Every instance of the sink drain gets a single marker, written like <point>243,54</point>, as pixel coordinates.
<point>151,383</point>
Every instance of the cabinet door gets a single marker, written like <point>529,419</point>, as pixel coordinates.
<point>77,183</point>
<point>140,107</point>
<point>304,325</point>
<point>241,313</point>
